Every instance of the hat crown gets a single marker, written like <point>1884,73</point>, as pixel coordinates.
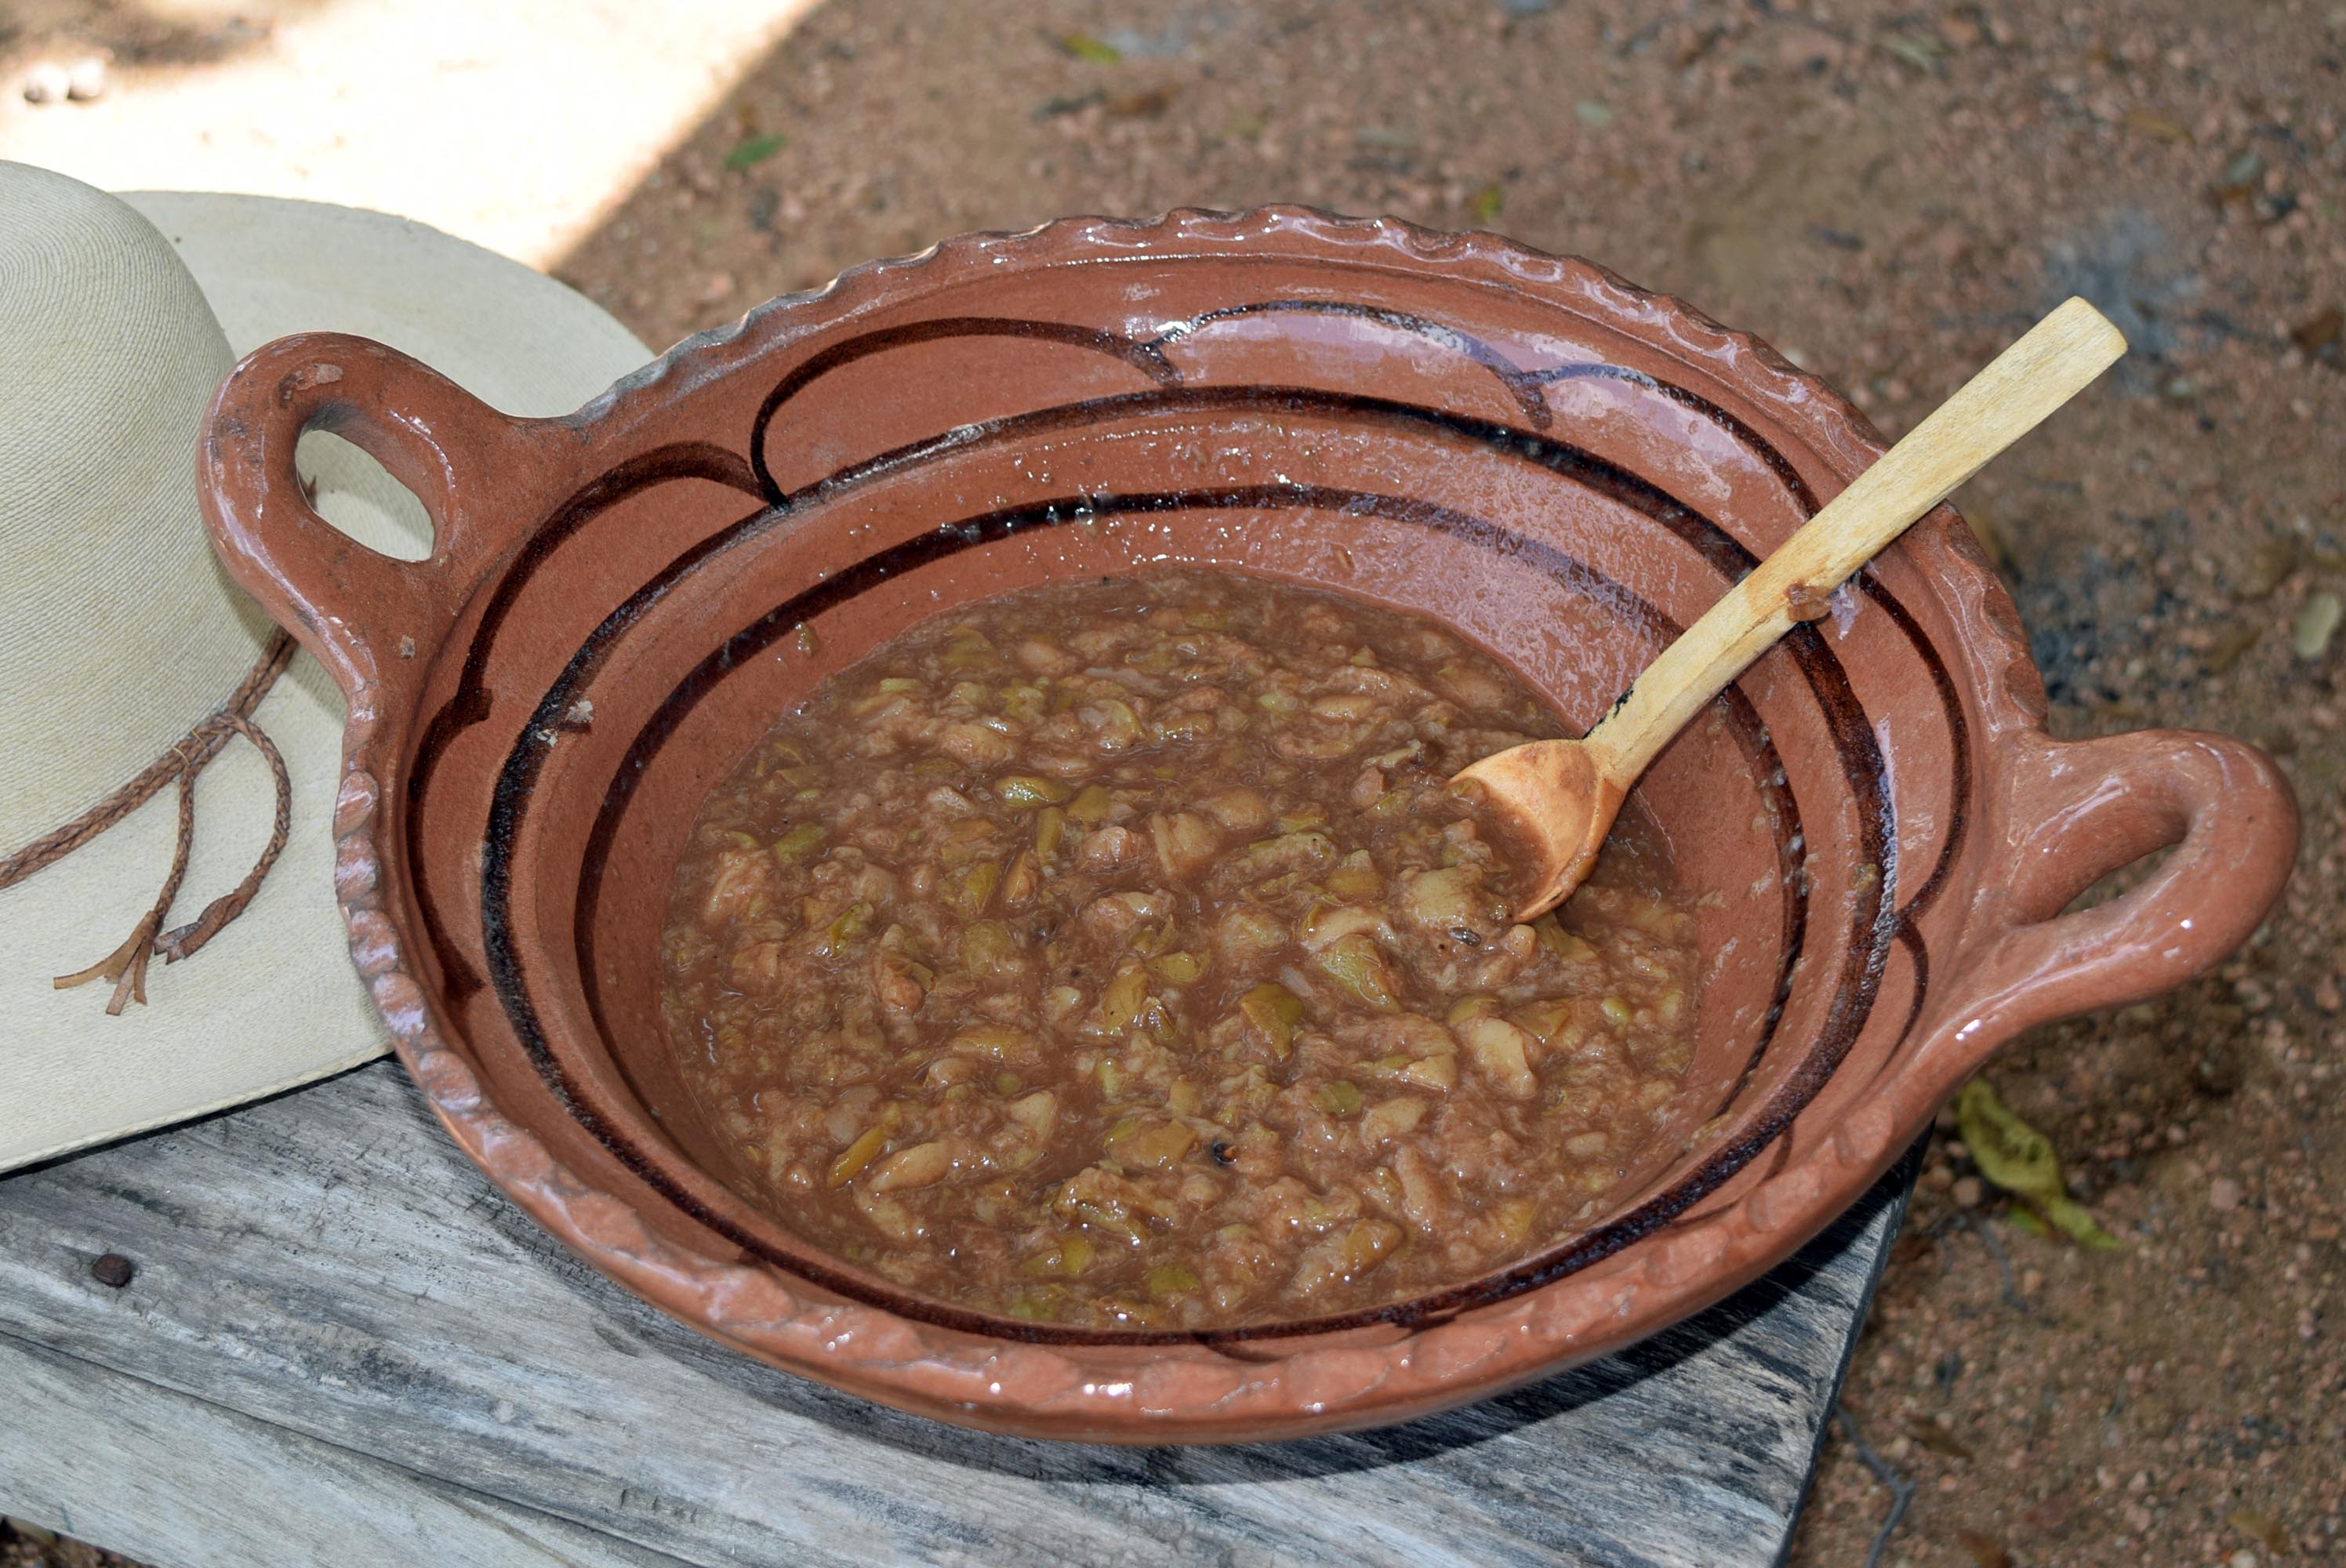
<point>120,632</point>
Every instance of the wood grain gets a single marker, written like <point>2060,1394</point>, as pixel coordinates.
<point>168,1478</point>
<point>337,1322</point>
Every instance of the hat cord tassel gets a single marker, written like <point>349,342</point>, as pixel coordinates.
<point>127,965</point>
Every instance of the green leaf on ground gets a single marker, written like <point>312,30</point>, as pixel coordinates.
<point>1923,54</point>
<point>1084,46</point>
<point>2144,122</point>
<point>2018,1158</point>
<point>2075,1221</point>
<point>755,149</point>
<point>1486,203</point>
<point>2261,1527</point>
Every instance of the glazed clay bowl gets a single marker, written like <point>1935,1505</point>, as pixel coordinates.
<point>1879,835</point>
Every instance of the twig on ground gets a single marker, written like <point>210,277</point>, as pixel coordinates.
<point>1979,1227</point>
<point>2011,1296</point>
<point>1902,1491</point>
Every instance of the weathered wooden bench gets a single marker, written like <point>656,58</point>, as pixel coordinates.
<point>341,1346</point>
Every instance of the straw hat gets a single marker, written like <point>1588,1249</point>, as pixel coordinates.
<point>120,636</point>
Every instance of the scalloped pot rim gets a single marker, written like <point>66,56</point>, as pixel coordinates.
<point>2002,953</point>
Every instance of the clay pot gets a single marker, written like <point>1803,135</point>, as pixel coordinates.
<point>1880,835</point>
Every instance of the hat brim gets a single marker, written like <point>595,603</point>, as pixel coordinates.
<point>273,1001</point>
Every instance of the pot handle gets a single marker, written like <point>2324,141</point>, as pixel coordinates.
<point>2096,806</point>
<point>358,610</point>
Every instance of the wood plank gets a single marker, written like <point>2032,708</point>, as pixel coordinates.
<point>326,1263</point>
<point>178,1483</point>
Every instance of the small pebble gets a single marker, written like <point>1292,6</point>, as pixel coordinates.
<point>2316,622</point>
<point>46,83</point>
<point>113,1270</point>
<point>2224,1195</point>
<point>85,79</point>
<point>1969,1191</point>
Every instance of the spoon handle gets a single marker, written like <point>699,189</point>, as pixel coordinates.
<point>2057,358</point>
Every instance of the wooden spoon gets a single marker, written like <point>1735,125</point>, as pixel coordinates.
<point>1562,796</point>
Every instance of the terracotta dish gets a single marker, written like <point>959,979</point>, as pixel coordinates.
<point>1881,833</point>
